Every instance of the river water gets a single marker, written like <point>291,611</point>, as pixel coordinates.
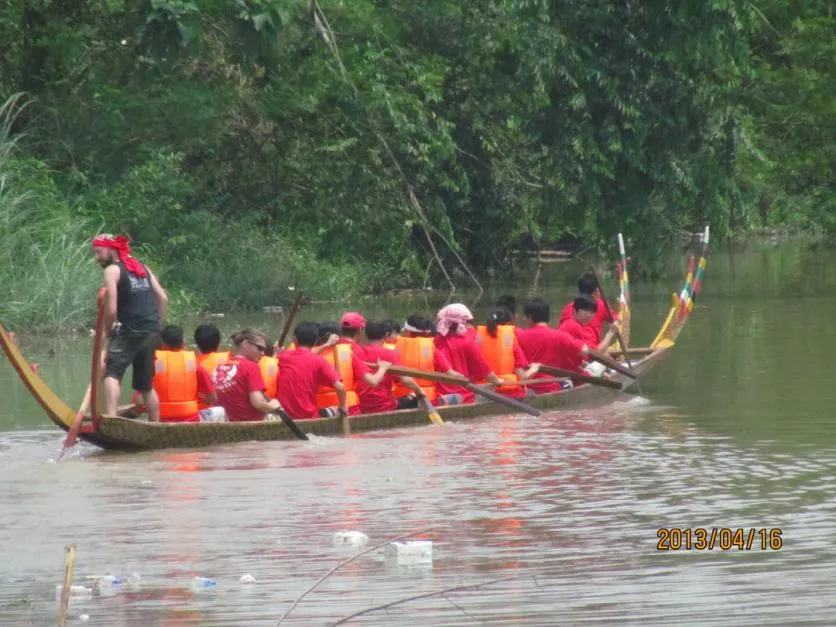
<point>734,431</point>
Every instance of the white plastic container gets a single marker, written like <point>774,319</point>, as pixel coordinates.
<point>247,579</point>
<point>199,583</point>
<point>412,552</point>
<point>351,538</point>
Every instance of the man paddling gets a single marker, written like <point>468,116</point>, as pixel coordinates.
<point>137,302</point>
<point>588,286</point>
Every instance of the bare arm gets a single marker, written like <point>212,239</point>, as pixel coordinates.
<point>332,340</point>
<point>375,379</point>
<point>260,402</point>
<point>160,294</point>
<point>341,400</point>
<point>211,398</point>
<point>533,369</point>
<point>111,279</point>
<point>409,382</point>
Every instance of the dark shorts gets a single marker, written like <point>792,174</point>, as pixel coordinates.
<point>408,402</point>
<point>136,349</point>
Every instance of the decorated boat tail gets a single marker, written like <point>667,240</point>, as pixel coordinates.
<point>120,433</point>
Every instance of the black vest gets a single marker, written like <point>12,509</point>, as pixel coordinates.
<point>136,307</point>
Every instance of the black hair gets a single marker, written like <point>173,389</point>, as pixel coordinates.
<point>587,284</point>
<point>172,337</point>
<point>325,330</point>
<point>391,327</point>
<point>207,337</point>
<point>537,309</point>
<point>420,322</point>
<point>305,334</point>
<point>269,351</point>
<point>376,330</point>
<point>500,315</point>
<point>585,302</point>
<point>509,302</point>
<point>349,332</point>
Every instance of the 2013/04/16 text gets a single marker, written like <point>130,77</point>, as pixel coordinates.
<point>723,538</point>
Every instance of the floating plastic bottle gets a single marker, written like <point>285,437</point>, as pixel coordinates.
<point>203,582</point>
<point>412,552</point>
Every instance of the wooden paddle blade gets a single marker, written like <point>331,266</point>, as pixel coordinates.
<point>612,317</point>
<point>291,424</point>
<point>579,376</point>
<point>432,414</point>
<point>345,420</point>
<point>505,400</point>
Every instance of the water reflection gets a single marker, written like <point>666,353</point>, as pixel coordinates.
<point>733,431</point>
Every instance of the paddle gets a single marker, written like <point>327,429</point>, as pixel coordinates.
<point>579,376</point>
<point>612,317</point>
<point>459,380</point>
<point>91,393</point>
<point>432,414</point>
<point>637,350</point>
<point>297,303</point>
<point>611,363</point>
<point>291,424</point>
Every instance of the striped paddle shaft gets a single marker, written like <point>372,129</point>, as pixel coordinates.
<point>698,278</point>
<point>625,277</point>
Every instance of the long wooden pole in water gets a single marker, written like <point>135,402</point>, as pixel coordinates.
<point>612,317</point>
<point>297,303</point>
<point>69,566</point>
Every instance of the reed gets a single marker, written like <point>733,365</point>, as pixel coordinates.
<point>46,273</point>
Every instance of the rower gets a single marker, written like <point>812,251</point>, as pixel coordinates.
<point>456,340</point>
<point>348,359</point>
<point>304,374</point>
<point>393,332</point>
<point>549,346</point>
<point>416,349</point>
<point>380,398</point>
<point>269,366</point>
<point>208,339</point>
<point>238,382</point>
<point>588,286</point>
<point>180,380</point>
<point>579,326</point>
<point>510,303</point>
<point>498,344</point>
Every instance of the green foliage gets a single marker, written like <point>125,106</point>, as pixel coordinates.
<point>298,132</point>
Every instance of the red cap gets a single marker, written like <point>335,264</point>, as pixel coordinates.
<point>353,320</point>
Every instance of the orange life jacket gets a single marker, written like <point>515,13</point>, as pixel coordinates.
<point>390,346</point>
<point>210,361</point>
<point>499,352</point>
<point>269,372</point>
<point>416,352</point>
<point>175,380</point>
<point>327,396</point>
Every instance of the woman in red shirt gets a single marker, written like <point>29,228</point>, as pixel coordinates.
<point>456,339</point>
<point>238,382</point>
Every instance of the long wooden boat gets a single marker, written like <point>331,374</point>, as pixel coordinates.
<point>118,433</point>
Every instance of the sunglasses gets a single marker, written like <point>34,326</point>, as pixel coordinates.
<point>261,348</point>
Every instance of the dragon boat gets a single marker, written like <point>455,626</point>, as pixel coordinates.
<point>131,434</point>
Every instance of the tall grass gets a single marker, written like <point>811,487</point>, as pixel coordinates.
<point>47,278</point>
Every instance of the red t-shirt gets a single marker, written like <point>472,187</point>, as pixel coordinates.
<point>301,373</point>
<point>541,343</point>
<point>378,398</point>
<point>596,324</point>
<point>583,333</point>
<point>465,358</point>
<point>234,381</point>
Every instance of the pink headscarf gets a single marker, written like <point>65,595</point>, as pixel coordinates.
<point>455,313</point>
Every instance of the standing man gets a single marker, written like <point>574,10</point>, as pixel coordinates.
<point>137,302</point>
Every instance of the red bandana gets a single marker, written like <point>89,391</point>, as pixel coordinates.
<point>121,245</point>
